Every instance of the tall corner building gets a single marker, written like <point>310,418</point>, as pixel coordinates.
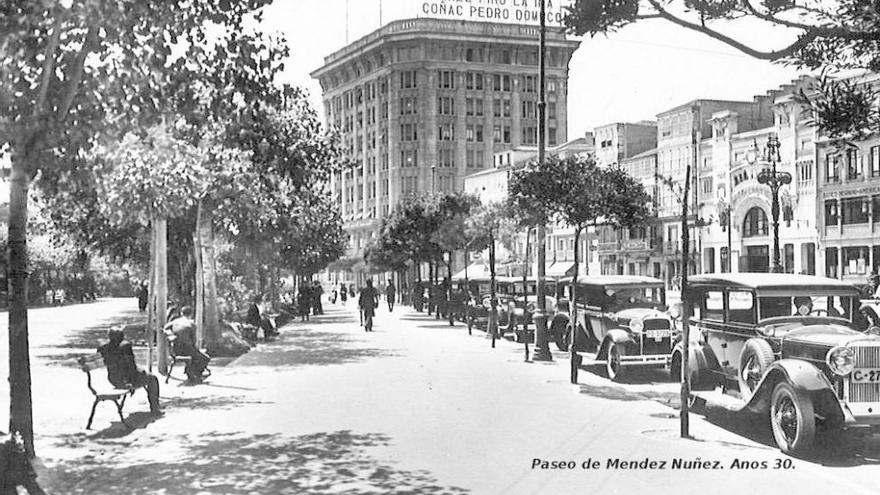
<point>421,103</point>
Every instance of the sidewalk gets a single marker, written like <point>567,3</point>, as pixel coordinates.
<point>415,407</point>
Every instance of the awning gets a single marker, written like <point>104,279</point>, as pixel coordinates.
<point>561,269</point>
<point>476,269</point>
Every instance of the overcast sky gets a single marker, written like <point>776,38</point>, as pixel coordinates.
<point>632,75</point>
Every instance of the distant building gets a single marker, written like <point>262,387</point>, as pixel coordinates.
<point>421,103</point>
<point>621,140</point>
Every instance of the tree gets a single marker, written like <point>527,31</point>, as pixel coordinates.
<point>450,235</point>
<point>482,229</point>
<point>591,196</point>
<point>830,36</point>
<point>64,64</point>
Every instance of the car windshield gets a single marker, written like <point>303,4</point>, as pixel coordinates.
<point>806,305</point>
<point>624,298</point>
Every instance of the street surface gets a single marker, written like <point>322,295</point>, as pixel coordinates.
<point>414,407</point>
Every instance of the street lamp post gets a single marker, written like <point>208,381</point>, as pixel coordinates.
<point>774,180</point>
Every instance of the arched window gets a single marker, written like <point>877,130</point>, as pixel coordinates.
<point>755,223</point>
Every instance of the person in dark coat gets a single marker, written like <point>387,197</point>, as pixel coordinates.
<point>304,302</point>
<point>122,370</point>
<point>184,330</point>
<point>343,293</point>
<point>390,295</point>
<point>142,296</point>
<point>367,302</point>
<point>317,292</point>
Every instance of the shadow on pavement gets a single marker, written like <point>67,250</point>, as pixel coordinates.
<point>332,462</point>
<point>305,347</point>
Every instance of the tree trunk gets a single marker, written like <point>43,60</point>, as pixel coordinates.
<point>205,228</point>
<point>161,228</point>
<point>449,305</point>
<point>200,280</point>
<point>151,301</point>
<point>20,404</point>
<point>575,358</point>
<point>492,324</point>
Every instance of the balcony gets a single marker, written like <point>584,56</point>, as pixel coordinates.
<point>608,247</point>
<point>636,245</point>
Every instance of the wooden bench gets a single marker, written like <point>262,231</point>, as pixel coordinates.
<point>171,337</point>
<point>106,393</point>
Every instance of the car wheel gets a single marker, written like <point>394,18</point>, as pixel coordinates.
<point>792,420</point>
<point>613,365</point>
<point>755,359</point>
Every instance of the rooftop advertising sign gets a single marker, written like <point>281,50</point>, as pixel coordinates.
<point>514,11</point>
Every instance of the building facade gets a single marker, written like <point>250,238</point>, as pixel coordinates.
<point>421,103</point>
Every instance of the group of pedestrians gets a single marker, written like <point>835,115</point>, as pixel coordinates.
<point>308,300</point>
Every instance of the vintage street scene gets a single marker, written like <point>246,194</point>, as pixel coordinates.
<point>439,247</point>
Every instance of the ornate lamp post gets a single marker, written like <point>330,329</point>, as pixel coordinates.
<point>775,180</point>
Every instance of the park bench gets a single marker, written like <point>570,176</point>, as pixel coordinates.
<point>106,392</point>
<point>169,334</point>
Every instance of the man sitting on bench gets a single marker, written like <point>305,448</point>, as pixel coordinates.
<point>123,372</point>
<point>184,329</point>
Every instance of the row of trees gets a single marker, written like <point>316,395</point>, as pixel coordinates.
<point>573,191</point>
<point>153,124</point>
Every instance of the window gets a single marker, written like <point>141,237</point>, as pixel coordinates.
<point>496,107</point>
<point>446,79</point>
<point>855,260</point>
<point>505,134</point>
<point>831,217</point>
<point>854,210</point>
<point>875,161</point>
<point>805,171</point>
<point>501,82</point>
<point>788,258</point>
<point>408,132</point>
<point>551,110</point>
<point>409,158</point>
<point>502,56</point>
<point>446,157</point>
<point>853,164</point>
<point>712,306</point>
<point>528,109</point>
<point>505,108</point>
<point>496,134</point>
<point>551,85</point>
<point>755,223</point>
<point>474,80</point>
<point>529,135</point>
<point>741,306</point>
<point>529,84</point>
<point>474,158</point>
<point>474,133</point>
<point>831,168</point>
<point>409,185</point>
<point>408,79</point>
<point>551,136</point>
<point>706,185</point>
<point>446,132</point>
<point>407,105</point>
<point>446,105</point>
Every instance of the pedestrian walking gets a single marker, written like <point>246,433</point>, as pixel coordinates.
<point>304,302</point>
<point>142,296</point>
<point>368,301</point>
<point>317,292</point>
<point>343,293</point>
<point>390,294</point>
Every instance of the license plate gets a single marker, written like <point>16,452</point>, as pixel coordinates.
<point>865,375</point>
<point>657,334</point>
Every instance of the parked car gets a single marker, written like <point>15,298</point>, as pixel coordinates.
<point>524,305</point>
<point>622,317</point>
<point>783,345</point>
<point>480,300</point>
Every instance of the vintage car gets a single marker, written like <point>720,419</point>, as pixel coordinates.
<point>523,305</point>
<point>783,345</point>
<point>480,300</point>
<point>621,317</point>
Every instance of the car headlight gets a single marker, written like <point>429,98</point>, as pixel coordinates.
<point>531,307</point>
<point>637,326</point>
<point>841,360</point>
<point>487,303</point>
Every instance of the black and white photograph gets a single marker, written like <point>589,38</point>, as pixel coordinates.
<point>431,247</point>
